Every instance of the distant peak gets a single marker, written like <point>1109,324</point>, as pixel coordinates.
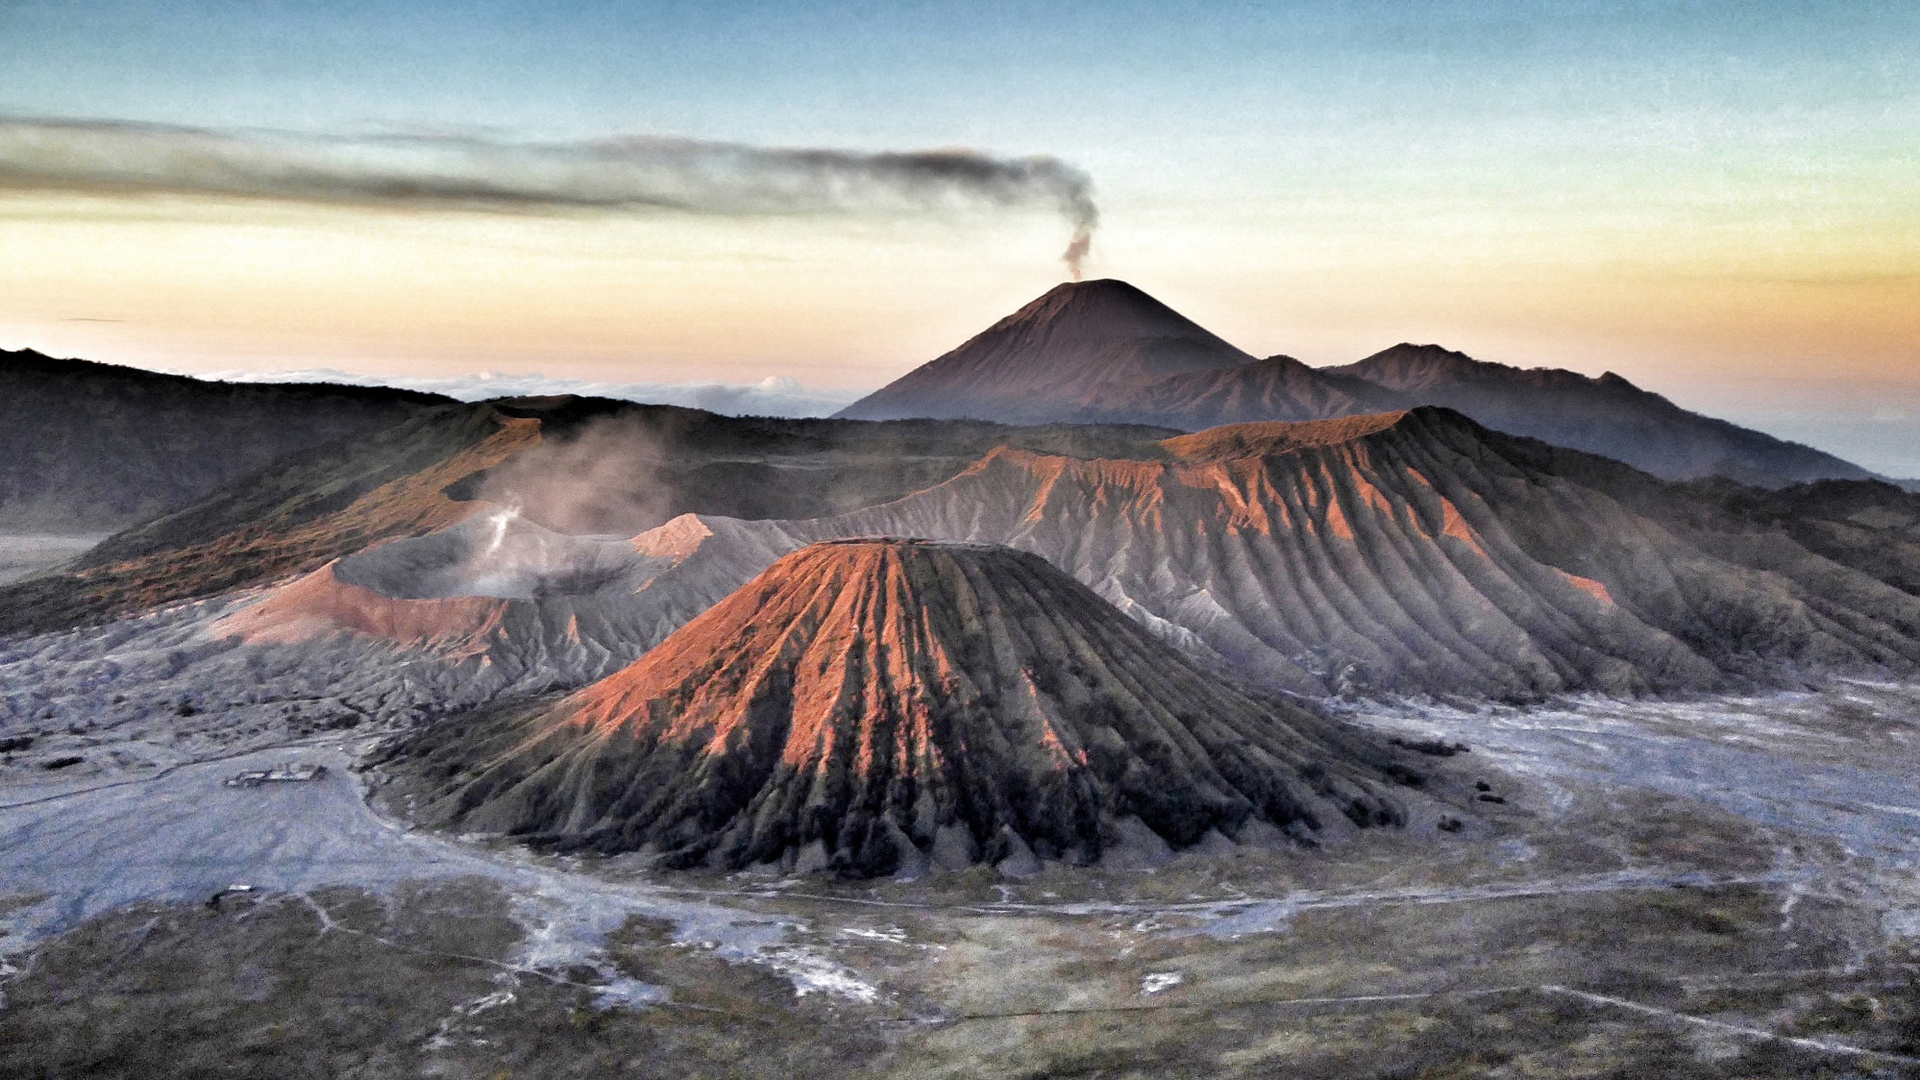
<point>1430,355</point>
<point>1087,316</point>
<point>1410,366</point>
<point>1281,361</point>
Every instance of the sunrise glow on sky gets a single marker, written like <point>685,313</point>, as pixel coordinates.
<point>1720,201</point>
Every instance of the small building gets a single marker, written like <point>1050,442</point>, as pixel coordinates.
<point>289,773</point>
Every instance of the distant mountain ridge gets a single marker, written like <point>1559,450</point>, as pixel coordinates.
<point>1607,415</point>
<point>1105,351</point>
<point>1276,388</point>
<point>95,447</point>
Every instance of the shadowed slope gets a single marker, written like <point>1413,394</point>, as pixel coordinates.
<point>1866,524</point>
<point>291,520</point>
<point>618,467</point>
<point>1608,416</point>
<point>1277,388</point>
<point>871,705</point>
<point>95,447</point>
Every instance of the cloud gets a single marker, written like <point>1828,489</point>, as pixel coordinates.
<point>625,174</point>
<point>776,395</point>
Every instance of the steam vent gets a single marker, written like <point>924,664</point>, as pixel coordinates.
<point>878,706</point>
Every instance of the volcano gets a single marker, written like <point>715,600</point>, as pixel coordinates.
<point>1070,355</point>
<point>873,706</point>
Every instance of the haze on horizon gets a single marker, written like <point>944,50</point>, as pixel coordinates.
<point>1720,203</point>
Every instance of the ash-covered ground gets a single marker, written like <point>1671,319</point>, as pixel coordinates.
<point>1724,886</point>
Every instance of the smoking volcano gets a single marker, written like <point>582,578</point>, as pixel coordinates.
<point>1074,354</point>
<point>878,705</point>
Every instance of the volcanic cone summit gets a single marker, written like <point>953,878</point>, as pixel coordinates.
<point>872,706</point>
<point>1065,354</point>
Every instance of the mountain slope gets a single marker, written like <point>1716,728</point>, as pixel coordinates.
<point>1277,388</point>
<point>1397,553</point>
<point>618,467</point>
<point>1871,526</point>
<point>575,464</point>
<point>1421,552</point>
<point>94,447</point>
<point>1067,355</point>
<point>285,521</point>
<point>874,705</point>
<point>1607,415</point>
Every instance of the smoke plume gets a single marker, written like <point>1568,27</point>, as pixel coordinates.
<point>619,174</point>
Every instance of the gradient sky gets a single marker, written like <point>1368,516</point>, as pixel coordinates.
<point>1720,201</point>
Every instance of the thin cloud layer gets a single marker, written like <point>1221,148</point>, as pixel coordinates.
<point>621,174</point>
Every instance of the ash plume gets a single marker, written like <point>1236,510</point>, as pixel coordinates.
<point>625,174</point>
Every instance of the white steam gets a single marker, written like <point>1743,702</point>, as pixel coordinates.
<point>610,477</point>
<point>500,519</point>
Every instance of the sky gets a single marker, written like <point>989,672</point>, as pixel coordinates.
<point>1720,201</point>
